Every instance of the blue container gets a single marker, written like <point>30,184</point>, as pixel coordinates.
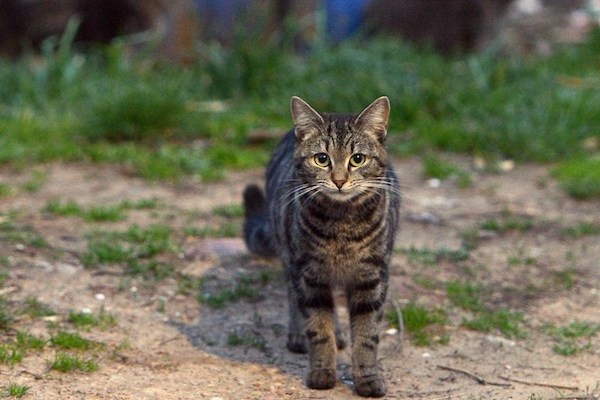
<point>344,18</point>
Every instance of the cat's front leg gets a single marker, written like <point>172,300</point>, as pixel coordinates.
<point>315,301</point>
<point>365,301</point>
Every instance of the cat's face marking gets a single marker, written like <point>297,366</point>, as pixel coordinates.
<point>344,155</point>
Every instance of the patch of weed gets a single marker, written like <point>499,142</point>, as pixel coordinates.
<point>565,277</point>
<point>141,204</point>
<point>5,190</point>
<point>229,211</point>
<point>66,209</point>
<point>245,288</point>
<point>573,338</point>
<point>504,321</point>
<point>129,247</point>
<point>105,214</point>
<point>6,314</point>
<point>35,182</point>
<point>227,229</point>
<point>435,167</point>
<point>247,340</point>
<point>465,295</point>
<point>508,223</point>
<point>582,229</point>
<point>36,309</point>
<point>70,340</point>
<point>27,341</point>
<point>10,354</point>
<point>425,325</point>
<point>430,257</point>
<point>64,362</point>
<point>580,177</point>
<point>103,320</point>
<point>17,391</point>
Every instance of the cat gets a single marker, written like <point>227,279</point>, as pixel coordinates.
<point>330,214</point>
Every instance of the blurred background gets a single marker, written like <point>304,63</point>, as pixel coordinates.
<point>199,87</point>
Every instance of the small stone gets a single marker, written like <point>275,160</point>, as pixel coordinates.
<point>391,332</point>
<point>434,183</point>
<point>100,296</point>
<point>20,247</point>
<point>426,355</point>
<point>86,310</point>
<point>506,165</point>
<point>500,340</point>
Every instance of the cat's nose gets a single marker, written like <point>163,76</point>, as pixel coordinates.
<point>339,182</point>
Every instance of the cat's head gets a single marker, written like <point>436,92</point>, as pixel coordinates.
<point>343,155</point>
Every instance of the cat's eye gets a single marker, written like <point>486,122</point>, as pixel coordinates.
<point>357,160</point>
<point>322,160</point>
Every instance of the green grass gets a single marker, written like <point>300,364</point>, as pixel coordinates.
<point>246,287</point>
<point>582,229</point>
<point>17,391</point>
<point>10,354</point>
<point>503,321</point>
<point>247,340</point>
<point>425,325</point>
<point>27,341</point>
<point>573,338</point>
<point>165,122</point>
<point>7,315</point>
<point>135,247</point>
<point>580,177</point>
<point>36,309</point>
<point>222,230</point>
<point>465,295</point>
<point>508,222</point>
<point>472,297</point>
<point>68,340</point>
<point>65,363</point>
<point>435,167</point>
<point>86,320</point>
<point>5,190</point>
<point>429,257</point>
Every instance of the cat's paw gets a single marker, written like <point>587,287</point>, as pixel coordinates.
<point>370,386</point>
<point>297,343</point>
<point>321,379</point>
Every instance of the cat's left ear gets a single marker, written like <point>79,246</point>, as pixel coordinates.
<point>375,117</point>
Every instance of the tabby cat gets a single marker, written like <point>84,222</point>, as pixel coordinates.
<point>330,214</point>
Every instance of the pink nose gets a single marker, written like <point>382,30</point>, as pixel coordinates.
<point>339,182</point>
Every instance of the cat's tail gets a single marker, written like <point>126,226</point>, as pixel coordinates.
<point>257,228</point>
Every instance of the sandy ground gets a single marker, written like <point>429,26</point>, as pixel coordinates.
<point>167,345</point>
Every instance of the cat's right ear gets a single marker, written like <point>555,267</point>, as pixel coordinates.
<point>306,119</point>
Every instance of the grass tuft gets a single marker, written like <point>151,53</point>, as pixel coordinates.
<point>425,325</point>
<point>17,391</point>
<point>65,363</point>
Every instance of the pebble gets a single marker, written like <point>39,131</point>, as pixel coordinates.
<point>391,332</point>
<point>500,340</point>
<point>434,183</point>
<point>426,355</point>
<point>100,296</point>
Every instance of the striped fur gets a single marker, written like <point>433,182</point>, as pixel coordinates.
<point>331,217</point>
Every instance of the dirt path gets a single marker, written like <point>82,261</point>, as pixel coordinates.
<point>167,345</point>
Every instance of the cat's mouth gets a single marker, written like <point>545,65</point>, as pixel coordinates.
<point>341,194</point>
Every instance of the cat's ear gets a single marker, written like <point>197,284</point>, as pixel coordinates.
<point>374,118</point>
<point>306,119</point>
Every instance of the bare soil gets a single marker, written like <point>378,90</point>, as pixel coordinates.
<point>167,345</point>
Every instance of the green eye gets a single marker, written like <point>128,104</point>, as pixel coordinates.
<point>322,160</point>
<point>357,159</point>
